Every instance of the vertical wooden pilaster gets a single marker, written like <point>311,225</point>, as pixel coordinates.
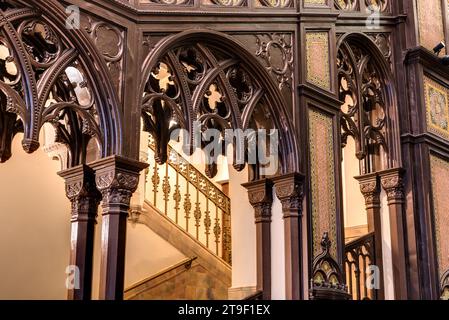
<point>117,178</point>
<point>261,198</point>
<point>370,188</point>
<point>392,183</point>
<point>85,198</point>
<point>290,190</point>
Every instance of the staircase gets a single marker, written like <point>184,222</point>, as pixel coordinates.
<point>191,215</point>
<point>203,275</point>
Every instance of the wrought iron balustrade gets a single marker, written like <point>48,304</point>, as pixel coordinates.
<point>187,197</point>
<point>359,256</point>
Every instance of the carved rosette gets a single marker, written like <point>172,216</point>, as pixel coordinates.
<point>290,190</point>
<point>371,191</point>
<point>260,195</point>
<point>393,185</point>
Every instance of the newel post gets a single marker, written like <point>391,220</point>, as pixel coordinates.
<point>261,198</point>
<point>117,178</point>
<point>84,198</point>
<point>290,191</point>
<point>392,183</point>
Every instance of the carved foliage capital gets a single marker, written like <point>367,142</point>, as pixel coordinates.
<point>290,191</point>
<point>81,191</point>
<point>260,196</point>
<point>393,184</point>
<point>370,188</point>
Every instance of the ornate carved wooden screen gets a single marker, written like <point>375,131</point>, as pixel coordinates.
<point>362,89</point>
<point>193,81</point>
<point>53,77</point>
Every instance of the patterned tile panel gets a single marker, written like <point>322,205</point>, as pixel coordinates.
<point>440,186</point>
<point>437,108</point>
<point>322,161</point>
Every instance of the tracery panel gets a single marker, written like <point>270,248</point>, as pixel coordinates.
<point>363,114</point>
<point>44,81</point>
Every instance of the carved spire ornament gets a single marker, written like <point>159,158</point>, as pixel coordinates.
<point>327,282</point>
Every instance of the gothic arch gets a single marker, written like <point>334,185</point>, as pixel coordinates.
<point>38,88</point>
<point>367,79</point>
<point>197,59</point>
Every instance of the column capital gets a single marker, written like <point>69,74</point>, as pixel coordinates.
<point>81,190</point>
<point>79,181</point>
<point>290,191</point>
<point>117,178</point>
<point>393,184</point>
<point>260,195</point>
<point>370,188</point>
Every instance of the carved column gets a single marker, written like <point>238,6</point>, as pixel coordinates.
<point>290,190</point>
<point>370,188</point>
<point>261,198</point>
<point>393,185</point>
<point>85,198</point>
<point>117,178</point>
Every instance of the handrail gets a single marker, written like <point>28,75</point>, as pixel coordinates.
<point>255,296</point>
<point>191,200</point>
<point>186,262</point>
<point>359,257</point>
<point>356,242</point>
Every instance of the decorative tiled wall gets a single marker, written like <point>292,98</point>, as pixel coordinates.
<point>430,22</point>
<point>317,55</point>
<point>437,108</point>
<point>322,160</point>
<point>440,187</point>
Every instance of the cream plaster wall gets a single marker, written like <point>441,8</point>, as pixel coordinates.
<point>34,227</point>
<point>35,233</point>
<point>243,232</point>
<point>354,203</point>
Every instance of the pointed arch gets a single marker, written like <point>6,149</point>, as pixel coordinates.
<point>366,69</point>
<point>59,78</point>
<point>203,61</point>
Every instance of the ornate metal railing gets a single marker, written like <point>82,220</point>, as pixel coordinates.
<point>187,197</point>
<point>359,256</point>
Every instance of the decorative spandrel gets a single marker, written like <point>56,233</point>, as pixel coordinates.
<point>45,79</point>
<point>362,90</point>
<point>110,42</point>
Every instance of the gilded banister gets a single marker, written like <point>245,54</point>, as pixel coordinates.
<point>187,197</point>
